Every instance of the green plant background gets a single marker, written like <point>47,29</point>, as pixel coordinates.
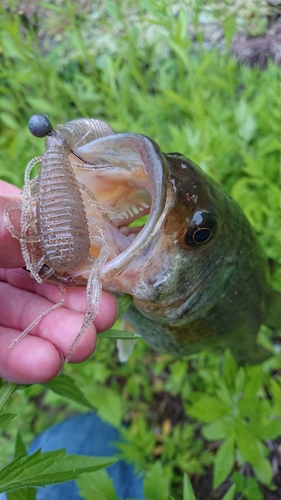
<point>141,67</point>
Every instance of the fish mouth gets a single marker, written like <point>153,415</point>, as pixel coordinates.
<point>128,178</point>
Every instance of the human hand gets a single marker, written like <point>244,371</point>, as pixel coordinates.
<point>40,355</point>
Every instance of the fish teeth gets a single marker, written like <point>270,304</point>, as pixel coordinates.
<point>130,211</point>
<point>133,212</point>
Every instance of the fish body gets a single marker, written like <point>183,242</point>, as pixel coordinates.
<point>202,281</point>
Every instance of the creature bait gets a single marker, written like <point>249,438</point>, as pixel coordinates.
<point>54,230</point>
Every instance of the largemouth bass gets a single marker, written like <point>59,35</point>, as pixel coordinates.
<point>198,276</point>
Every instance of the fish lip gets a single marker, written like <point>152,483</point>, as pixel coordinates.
<point>114,148</point>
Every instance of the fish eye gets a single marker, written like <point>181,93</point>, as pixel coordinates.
<point>201,235</point>
<point>40,125</point>
<point>202,228</point>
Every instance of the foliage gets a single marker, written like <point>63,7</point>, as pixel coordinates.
<point>39,469</point>
<point>50,467</point>
<point>132,64</point>
<point>240,414</point>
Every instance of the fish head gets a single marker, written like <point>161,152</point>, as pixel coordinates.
<point>180,260</point>
<point>188,265</point>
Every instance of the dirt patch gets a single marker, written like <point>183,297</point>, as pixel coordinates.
<point>257,51</point>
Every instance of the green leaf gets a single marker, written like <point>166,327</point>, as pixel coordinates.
<point>248,444</point>
<point>22,494</point>
<point>214,431</point>
<point>181,53</point>
<point>124,303</point>
<point>240,380</point>
<point>263,471</point>
<point>112,8</point>
<point>224,461</point>
<point>271,429</point>
<point>40,469</point>
<point>7,389</point>
<point>239,480</point>
<point>208,409</point>
<point>188,493</point>
<point>8,120</point>
<point>156,484</point>
<point>229,25</point>
<point>251,388</point>
<point>96,485</point>
<point>247,485</point>
<point>245,121</point>
<point>230,493</point>
<point>64,385</point>
<point>229,370</point>
<point>275,389</point>
<point>20,448</point>
<point>109,405</point>
<point>6,417</point>
<point>252,490</point>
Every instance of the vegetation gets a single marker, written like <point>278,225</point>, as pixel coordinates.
<point>143,67</point>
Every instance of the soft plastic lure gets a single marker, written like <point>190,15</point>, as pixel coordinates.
<point>54,229</point>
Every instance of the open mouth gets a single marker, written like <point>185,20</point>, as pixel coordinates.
<point>128,179</point>
<point>125,177</point>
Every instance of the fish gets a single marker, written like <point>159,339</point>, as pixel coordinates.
<point>158,228</point>
<point>197,274</point>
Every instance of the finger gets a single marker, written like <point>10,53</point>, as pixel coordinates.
<point>75,296</point>
<point>32,361</point>
<point>107,313</point>
<point>10,250</point>
<point>19,309</point>
<point>8,189</point>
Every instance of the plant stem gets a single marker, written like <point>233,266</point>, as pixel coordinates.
<point>118,334</point>
<point>8,388</point>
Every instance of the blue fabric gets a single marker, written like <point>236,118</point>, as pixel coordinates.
<point>86,434</point>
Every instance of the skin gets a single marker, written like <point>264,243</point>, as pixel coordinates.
<point>39,357</point>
